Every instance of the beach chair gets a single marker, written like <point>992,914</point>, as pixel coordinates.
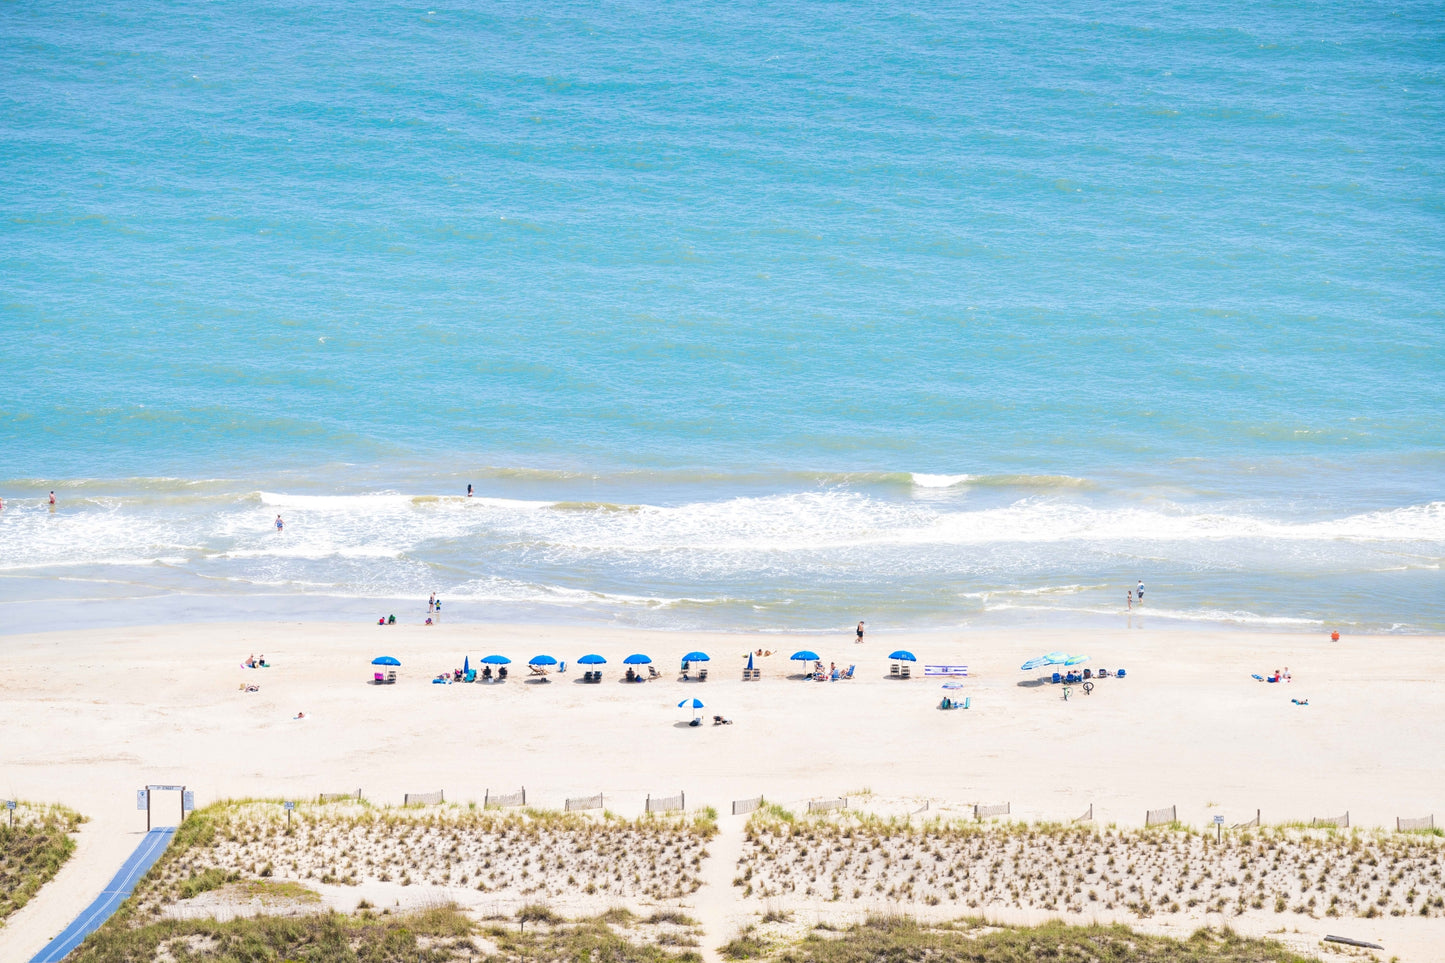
<point>1119,674</point>
<point>904,671</point>
<point>538,669</point>
<point>501,673</point>
<point>378,677</point>
<point>471,676</point>
<point>752,675</point>
<point>652,672</point>
<point>702,674</point>
<point>893,670</point>
<point>390,676</point>
<point>1058,678</point>
<point>561,667</point>
<point>849,673</point>
<point>1101,673</point>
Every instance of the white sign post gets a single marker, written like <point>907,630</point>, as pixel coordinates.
<point>10,805</point>
<point>1219,829</point>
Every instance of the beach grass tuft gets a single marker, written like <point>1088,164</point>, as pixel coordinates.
<point>32,851</point>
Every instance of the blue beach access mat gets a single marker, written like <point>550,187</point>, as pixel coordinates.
<point>110,898</point>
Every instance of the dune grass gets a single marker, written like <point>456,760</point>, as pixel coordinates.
<point>441,934</point>
<point>901,938</point>
<point>438,935</point>
<point>33,851</point>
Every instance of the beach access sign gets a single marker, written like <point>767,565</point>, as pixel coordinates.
<point>188,800</point>
<point>142,798</point>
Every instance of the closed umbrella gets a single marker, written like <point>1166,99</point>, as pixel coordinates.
<point>466,665</point>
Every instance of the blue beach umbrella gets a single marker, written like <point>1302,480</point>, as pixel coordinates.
<point>806,655</point>
<point>902,655</point>
<point>696,657</point>
<point>386,660</point>
<point>592,660</point>
<point>690,704</point>
<point>496,660</point>
<point>541,660</point>
<point>637,659</point>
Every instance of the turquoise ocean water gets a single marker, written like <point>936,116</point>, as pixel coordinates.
<point>749,315</point>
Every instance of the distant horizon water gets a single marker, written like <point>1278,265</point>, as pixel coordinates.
<point>736,318</point>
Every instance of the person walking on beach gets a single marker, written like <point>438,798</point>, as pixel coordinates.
<point>1139,592</point>
<point>860,631</point>
<point>279,524</point>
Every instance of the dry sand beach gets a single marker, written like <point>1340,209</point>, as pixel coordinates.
<point>92,716</point>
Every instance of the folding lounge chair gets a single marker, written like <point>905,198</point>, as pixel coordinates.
<point>702,675</point>
<point>378,677</point>
<point>849,673</point>
<point>893,670</point>
<point>652,672</point>
<point>390,676</point>
<point>904,672</point>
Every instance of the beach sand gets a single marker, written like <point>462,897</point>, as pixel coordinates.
<point>93,715</point>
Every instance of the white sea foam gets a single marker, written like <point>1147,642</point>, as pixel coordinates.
<point>938,481</point>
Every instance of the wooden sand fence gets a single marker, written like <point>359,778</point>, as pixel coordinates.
<point>1403,825</point>
<point>1248,823</point>
<point>423,798</point>
<point>1340,822</point>
<point>981,811</point>
<point>491,800</point>
<point>1088,817</point>
<point>741,807</point>
<point>666,804</point>
<point>327,797</point>
<point>577,804</point>
<point>1160,817</point>
<point>827,805</point>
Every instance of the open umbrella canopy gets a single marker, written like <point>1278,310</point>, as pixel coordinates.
<point>496,660</point>
<point>1076,659</point>
<point>592,660</point>
<point>386,660</point>
<point>690,704</point>
<point>1053,658</point>
<point>806,655</point>
<point>696,657</point>
<point>541,660</point>
<point>902,655</point>
<point>636,659</point>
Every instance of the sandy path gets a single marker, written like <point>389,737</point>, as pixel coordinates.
<point>101,846</point>
<point>717,906</point>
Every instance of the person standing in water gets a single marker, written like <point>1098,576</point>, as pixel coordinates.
<point>469,490</point>
<point>431,603</point>
<point>860,631</point>
<point>1139,592</point>
<point>279,524</point>
<point>52,498</point>
<point>1129,597</point>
